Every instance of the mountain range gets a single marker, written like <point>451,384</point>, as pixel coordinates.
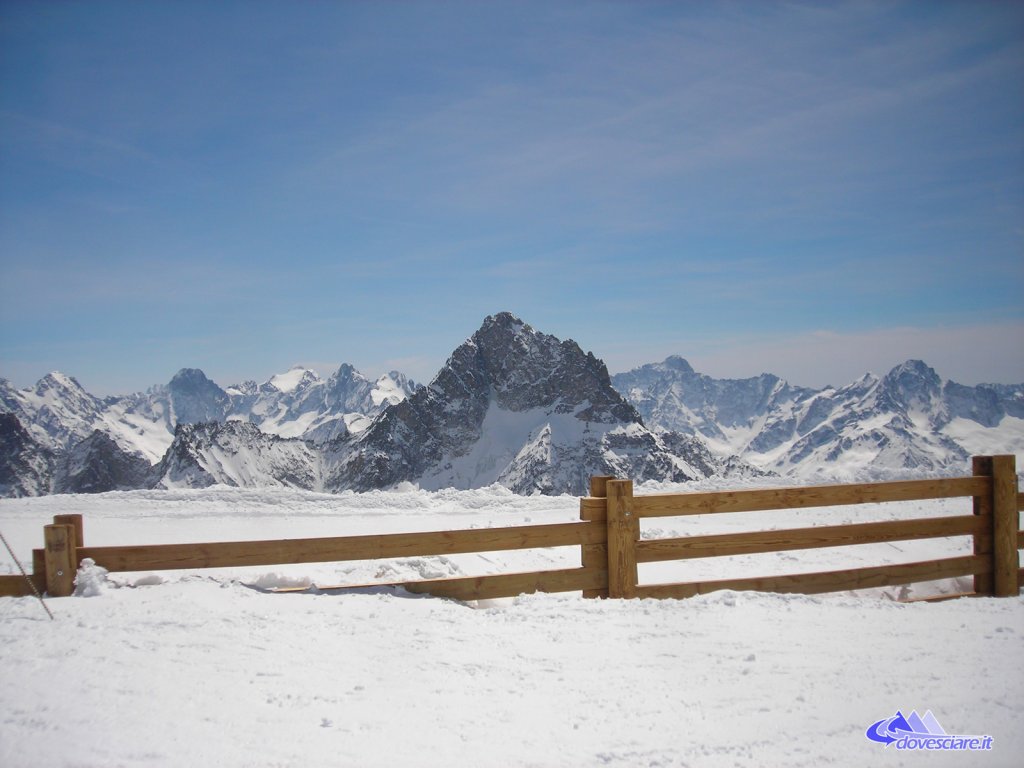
<point>512,406</point>
<point>909,420</point>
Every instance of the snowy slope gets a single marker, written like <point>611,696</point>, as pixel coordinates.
<point>57,411</point>
<point>237,454</point>
<point>199,669</point>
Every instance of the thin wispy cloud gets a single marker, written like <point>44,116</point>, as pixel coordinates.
<point>628,174</point>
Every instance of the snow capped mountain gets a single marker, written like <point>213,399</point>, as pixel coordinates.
<point>56,412</point>
<point>62,438</point>
<point>671,395</point>
<point>98,464</point>
<point>910,419</point>
<point>236,453</point>
<point>301,404</point>
<point>194,399</point>
<point>26,466</point>
<point>510,406</point>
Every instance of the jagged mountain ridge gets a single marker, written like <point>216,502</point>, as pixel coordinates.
<point>26,466</point>
<point>59,413</point>
<point>236,453</point>
<point>908,420</point>
<point>56,437</point>
<point>511,405</point>
<point>517,407</point>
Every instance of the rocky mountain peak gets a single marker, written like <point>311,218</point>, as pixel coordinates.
<point>189,379</point>
<point>346,372</point>
<point>26,466</point>
<point>97,464</point>
<point>297,378</point>
<point>195,398</point>
<point>526,369</point>
<point>55,381</point>
<point>912,382</point>
<point>514,406</point>
<point>677,363</point>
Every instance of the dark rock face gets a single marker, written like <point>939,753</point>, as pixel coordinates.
<point>97,464</point>
<point>195,398</point>
<point>511,405</point>
<point>26,467</point>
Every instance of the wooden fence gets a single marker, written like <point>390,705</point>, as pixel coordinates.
<point>608,534</point>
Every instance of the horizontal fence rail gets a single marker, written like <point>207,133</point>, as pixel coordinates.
<point>758,542</point>
<point>773,499</point>
<point>993,527</point>
<point>830,581</point>
<point>227,554</point>
<point>608,535</point>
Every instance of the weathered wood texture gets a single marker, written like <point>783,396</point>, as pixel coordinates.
<point>75,521</point>
<point>981,466</point>
<point>59,558</point>
<point>830,581</point>
<point>755,542</point>
<point>623,534</point>
<point>671,505</point>
<point>1005,522</point>
<point>609,536</point>
<point>16,586</point>
<point>335,549</point>
<point>594,509</point>
<point>595,556</point>
<point>509,584</point>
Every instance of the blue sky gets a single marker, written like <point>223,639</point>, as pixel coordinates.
<point>813,189</point>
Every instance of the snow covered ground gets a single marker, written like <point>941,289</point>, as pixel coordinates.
<point>200,668</point>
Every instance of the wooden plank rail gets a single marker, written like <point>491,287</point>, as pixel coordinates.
<point>829,581</point>
<point>16,586</point>
<point>224,554</point>
<point>765,499</point>
<point>608,535</point>
<point>496,585</point>
<point>757,542</point>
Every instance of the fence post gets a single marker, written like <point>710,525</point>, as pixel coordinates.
<point>76,522</point>
<point>595,555</point>
<point>39,566</point>
<point>1004,526</point>
<point>981,466</point>
<point>623,534</point>
<point>59,556</point>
